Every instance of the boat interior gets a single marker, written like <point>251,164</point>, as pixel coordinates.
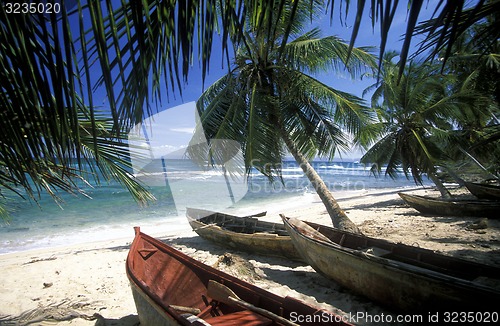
<point>410,255</point>
<point>181,286</point>
<point>248,225</point>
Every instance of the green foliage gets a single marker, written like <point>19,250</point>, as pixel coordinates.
<point>142,50</point>
<point>50,135</point>
<point>271,91</point>
<point>474,60</point>
<point>420,114</point>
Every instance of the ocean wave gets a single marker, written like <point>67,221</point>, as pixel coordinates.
<point>112,212</point>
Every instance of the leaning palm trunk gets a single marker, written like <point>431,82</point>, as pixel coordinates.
<point>338,216</point>
<point>440,186</point>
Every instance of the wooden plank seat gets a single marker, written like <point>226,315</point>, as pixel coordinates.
<point>211,315</point>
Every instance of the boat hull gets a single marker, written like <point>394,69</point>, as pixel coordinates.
<point>445,207</point>
<point>162,278</point>
<point>395,284</point>
<point>243,233</point>
<point>149,312</point>
<point>483,191</point>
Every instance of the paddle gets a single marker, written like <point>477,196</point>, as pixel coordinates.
<point>222,293</point>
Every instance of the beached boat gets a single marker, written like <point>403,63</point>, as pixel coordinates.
<point>452,206</point>
<point>170,288</point>
<point>243,233</point>
<point>397,276</point>
<point>483,190</point>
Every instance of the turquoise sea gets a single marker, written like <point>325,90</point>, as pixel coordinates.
<point>111,213</point>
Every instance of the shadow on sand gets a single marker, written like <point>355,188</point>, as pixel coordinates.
<point>130,320</point>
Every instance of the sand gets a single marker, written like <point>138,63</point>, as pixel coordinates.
<point>86,284</point>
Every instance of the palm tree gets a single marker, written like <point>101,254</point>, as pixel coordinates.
<point>48,61</point>
<point>51,140</point>
<point>453,20</point>
<point>418,118</point>
<point>270,102</point>
<point>476,62</point>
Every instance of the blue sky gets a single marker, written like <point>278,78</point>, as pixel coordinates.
<point>367,36</point>
<point>172,128</point>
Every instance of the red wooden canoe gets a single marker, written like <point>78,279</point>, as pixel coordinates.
<point>166,283</point>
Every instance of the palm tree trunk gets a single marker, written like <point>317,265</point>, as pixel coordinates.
<point>338,216</point>
<point>442,189</point>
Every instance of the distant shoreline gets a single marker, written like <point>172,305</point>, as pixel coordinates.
<point>112,213</point>
<point>89,278</point>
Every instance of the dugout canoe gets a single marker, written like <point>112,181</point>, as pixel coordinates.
<point>398,276</point>
<point>483,190</point>
<point>245,233</point>
<point>171,288</point>
<point>452,206</point>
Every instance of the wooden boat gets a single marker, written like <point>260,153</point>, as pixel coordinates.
<point>398,276</point>
<point>483,190</point>
<point>170,288</point>
<point>452,207</point>
<point>243,233</point>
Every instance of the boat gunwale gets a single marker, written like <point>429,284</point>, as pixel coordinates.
<point>459,201</point>
<point>453,207</point>
<point>483,190</point>
<point>396,264</point>
<point>276,242</point>
<point>218,276</point>
<point>215,274</point>
<point>221,230</point>
<point>154,301</point>
<point>181,257</point>
<point>272,225</point>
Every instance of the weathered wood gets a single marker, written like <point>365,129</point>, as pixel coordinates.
<point>165,278</point>
<point>222,293</point>
<point>398,276</point>
<point>452,207</point>
<point>191,310</point>
<point>484,191</point>
<point>242,233</point>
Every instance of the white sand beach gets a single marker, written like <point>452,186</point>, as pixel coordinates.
<point>86,284</point>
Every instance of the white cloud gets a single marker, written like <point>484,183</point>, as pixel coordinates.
<point>189,130</point>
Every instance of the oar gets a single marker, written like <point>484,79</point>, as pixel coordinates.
<point>222,293</point>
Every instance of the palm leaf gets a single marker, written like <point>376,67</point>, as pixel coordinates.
<point>314,54</point>
<point>443,31</point>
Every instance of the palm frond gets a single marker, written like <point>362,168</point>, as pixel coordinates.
<point>144,49</point>
<point>346,109</point>
<point>422,115</point>
<point>263,148</point>
<point>312,53</point>
<point>452,21</point>
<point>229,110</point>
<point>381,154</point>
